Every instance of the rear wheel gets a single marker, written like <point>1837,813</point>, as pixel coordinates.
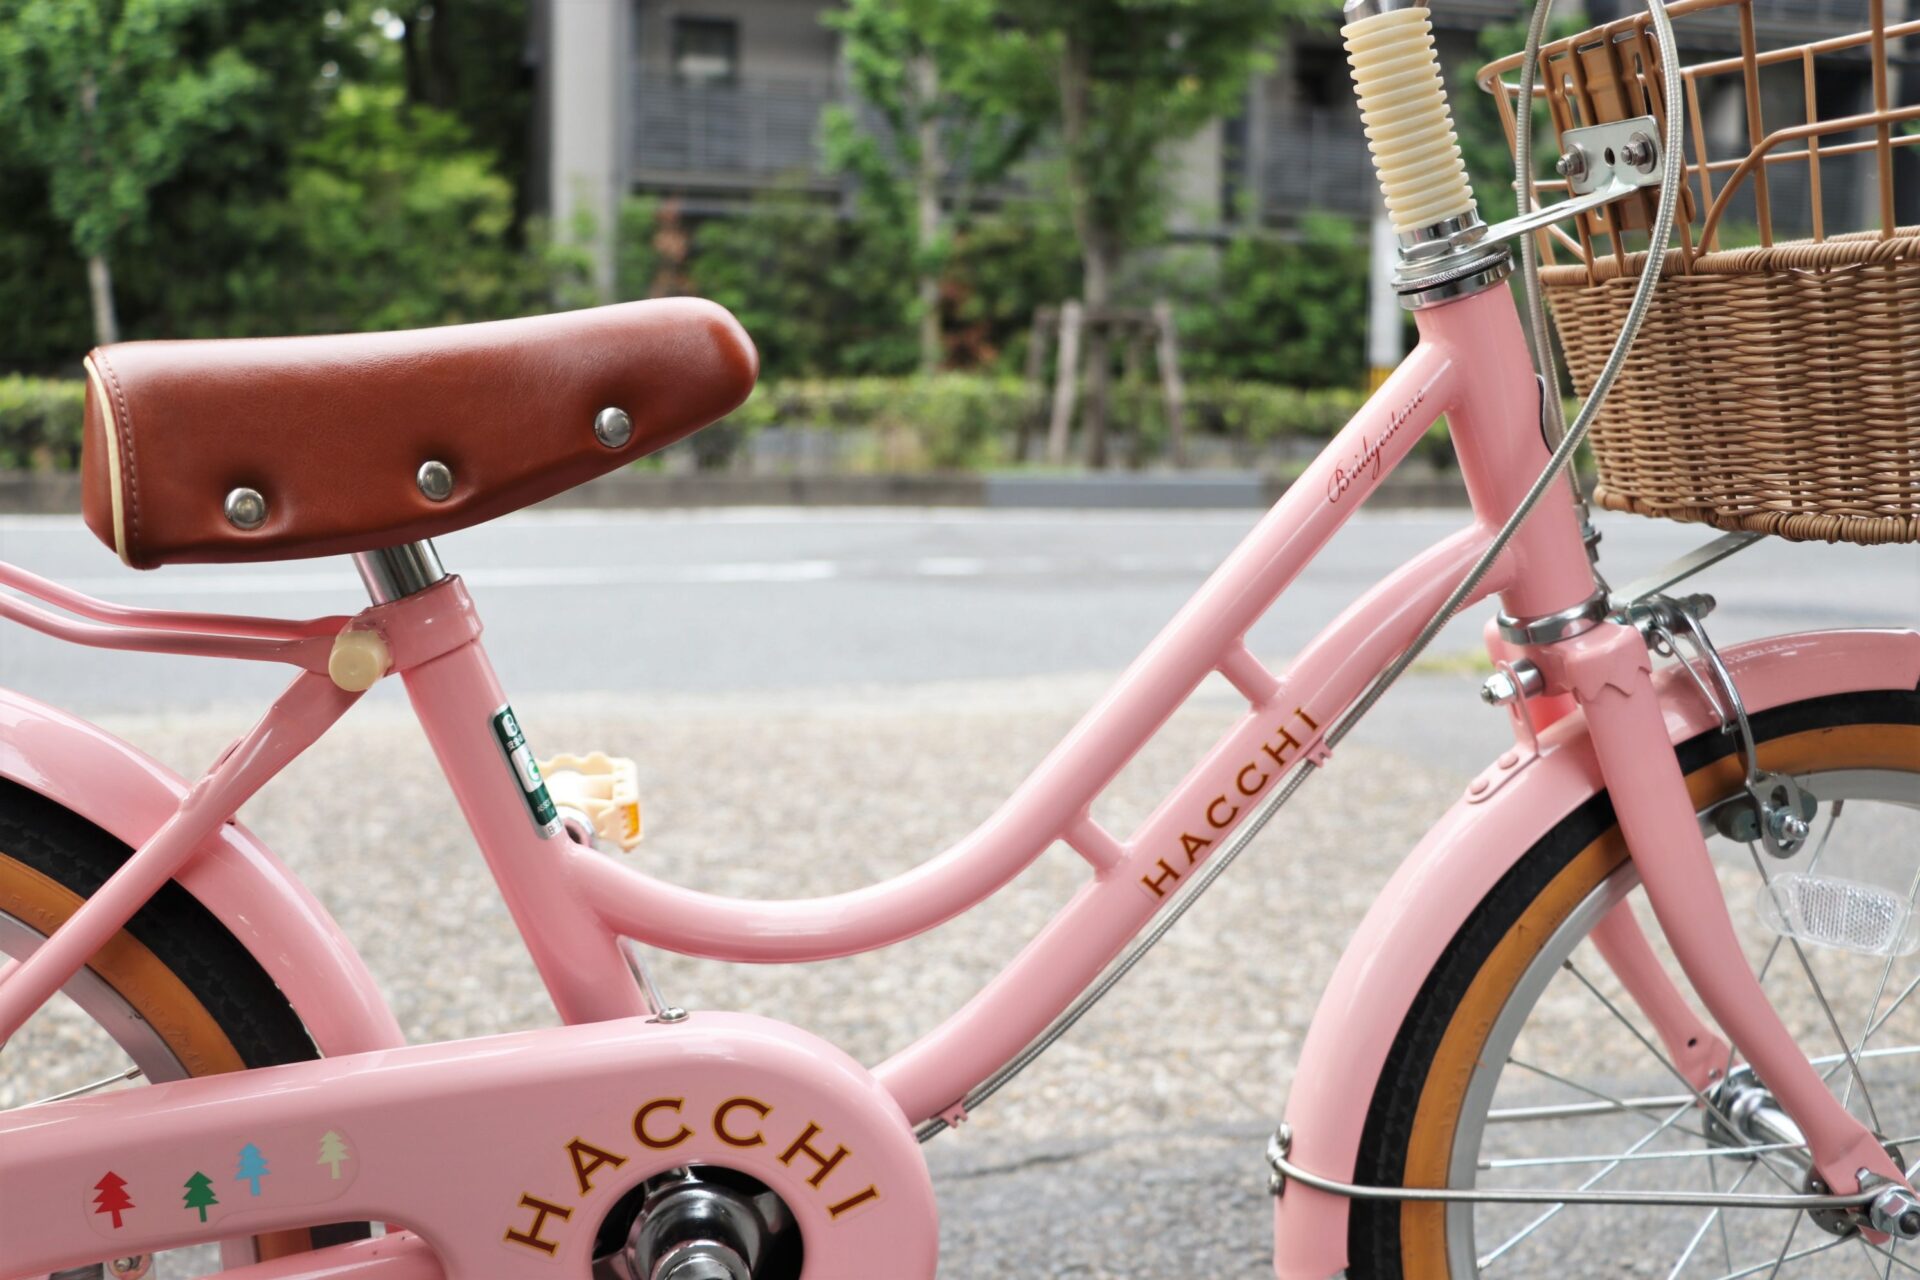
<point>172,995</point>
<point>1523,1063</point>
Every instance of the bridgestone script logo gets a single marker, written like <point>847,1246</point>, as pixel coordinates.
<point>1368,459</point>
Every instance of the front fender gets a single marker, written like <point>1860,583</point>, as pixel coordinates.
<point>129,795</point>
<point>1456,865</point>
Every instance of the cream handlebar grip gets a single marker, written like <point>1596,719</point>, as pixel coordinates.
<point>1403,103</point>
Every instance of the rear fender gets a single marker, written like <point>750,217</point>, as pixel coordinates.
<point>127,794</point>
<point>1457,864</point>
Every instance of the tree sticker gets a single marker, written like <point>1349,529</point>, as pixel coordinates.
<point>333,1151</point>
<point>113,1198</point>
<point>253,1167</point>
<point>200,1194</point>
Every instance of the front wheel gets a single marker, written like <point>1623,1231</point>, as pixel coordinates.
<point>1522,1063</point>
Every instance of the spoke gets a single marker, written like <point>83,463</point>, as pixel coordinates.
<point>1773,1268</point>
<point>1726,1243</point>
<point>1866,1256</point>
<point>1893,1259</point>
<point>1886,971</point>
<point>1661,1102</point>
<point>1683,1101</point>
<point>1819,993</point>
<point>131,1073</point>
<point>1650,1047</point>
<point>1826,834</point>
<point>1673,1118</point>
<point>1784,1246</point>
<point>1878,1023</point>
<point>1833,1062</point>
<point>1576,1110</point>
<point>1706,1225</point>
<point>1758,1149</point>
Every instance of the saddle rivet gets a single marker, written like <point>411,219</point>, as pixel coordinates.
<point>612,428</point>
<point>435,480</point>
<point>246,509</point>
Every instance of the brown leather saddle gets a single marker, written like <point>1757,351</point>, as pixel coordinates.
<point>277,448</point>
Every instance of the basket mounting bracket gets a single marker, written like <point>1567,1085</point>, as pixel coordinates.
<point>1602,163</point>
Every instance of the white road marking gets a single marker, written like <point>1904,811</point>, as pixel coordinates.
<point>187,581</point>
<point>596,517</point>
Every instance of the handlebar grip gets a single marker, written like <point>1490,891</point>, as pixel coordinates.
<point>1403,103</point>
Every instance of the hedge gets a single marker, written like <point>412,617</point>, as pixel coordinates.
<point>945,421</point>
<point>969,420</point>
<point>40,420</point>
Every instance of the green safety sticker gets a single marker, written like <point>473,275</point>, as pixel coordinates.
<point>526,772</point>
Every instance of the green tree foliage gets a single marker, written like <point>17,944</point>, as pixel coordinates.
<point>826,295</point>
<point>394,219</point>
<point>1002,267</point>
<point>953,97</point>
<point>468,57</point>
<point>1135,76</point>
<point>1274,310</point>
<point>1483,138</point>
<point>818,292</point>
<point>101,102</point>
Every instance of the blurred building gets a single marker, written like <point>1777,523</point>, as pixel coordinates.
<point>713,100</point>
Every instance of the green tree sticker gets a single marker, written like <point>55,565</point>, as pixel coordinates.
<point>333,1151</point>
<point>200,1194</point>
<point>252,1168</point>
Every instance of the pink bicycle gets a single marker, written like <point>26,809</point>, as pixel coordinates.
<point>1480,1090</point>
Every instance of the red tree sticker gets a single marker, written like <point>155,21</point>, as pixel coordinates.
<point>113,1198</point>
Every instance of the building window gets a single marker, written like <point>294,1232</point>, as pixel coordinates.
<point>706,51</point>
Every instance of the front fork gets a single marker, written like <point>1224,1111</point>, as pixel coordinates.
<point>1607,670</point>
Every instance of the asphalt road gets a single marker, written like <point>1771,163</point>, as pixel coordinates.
<point>852,638</point>
<point>751,602</point>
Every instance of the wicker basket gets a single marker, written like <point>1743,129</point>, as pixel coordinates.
<point>1775,388</point>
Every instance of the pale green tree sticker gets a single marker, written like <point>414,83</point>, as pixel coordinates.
<point>333,1151</point>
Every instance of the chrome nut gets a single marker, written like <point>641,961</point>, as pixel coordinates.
<point>1640,152</point>
<point>612,428</point>
<point>1789,828</point>
<point>1573,165</point>
<point>435,480</point>
<point>246,509</point>
<point>1524,682</point>
<point>1896,1211</point>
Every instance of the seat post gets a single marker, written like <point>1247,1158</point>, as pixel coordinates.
<point>393,572</point>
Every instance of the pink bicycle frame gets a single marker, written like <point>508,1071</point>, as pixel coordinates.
<point>573,905</point>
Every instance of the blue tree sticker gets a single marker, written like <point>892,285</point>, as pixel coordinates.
<point>253,1167</point>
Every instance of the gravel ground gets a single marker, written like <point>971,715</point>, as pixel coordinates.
<point>1131,1150</point>
<point>1181,1070</point>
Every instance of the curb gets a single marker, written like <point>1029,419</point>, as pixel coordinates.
<point>58,493</point>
